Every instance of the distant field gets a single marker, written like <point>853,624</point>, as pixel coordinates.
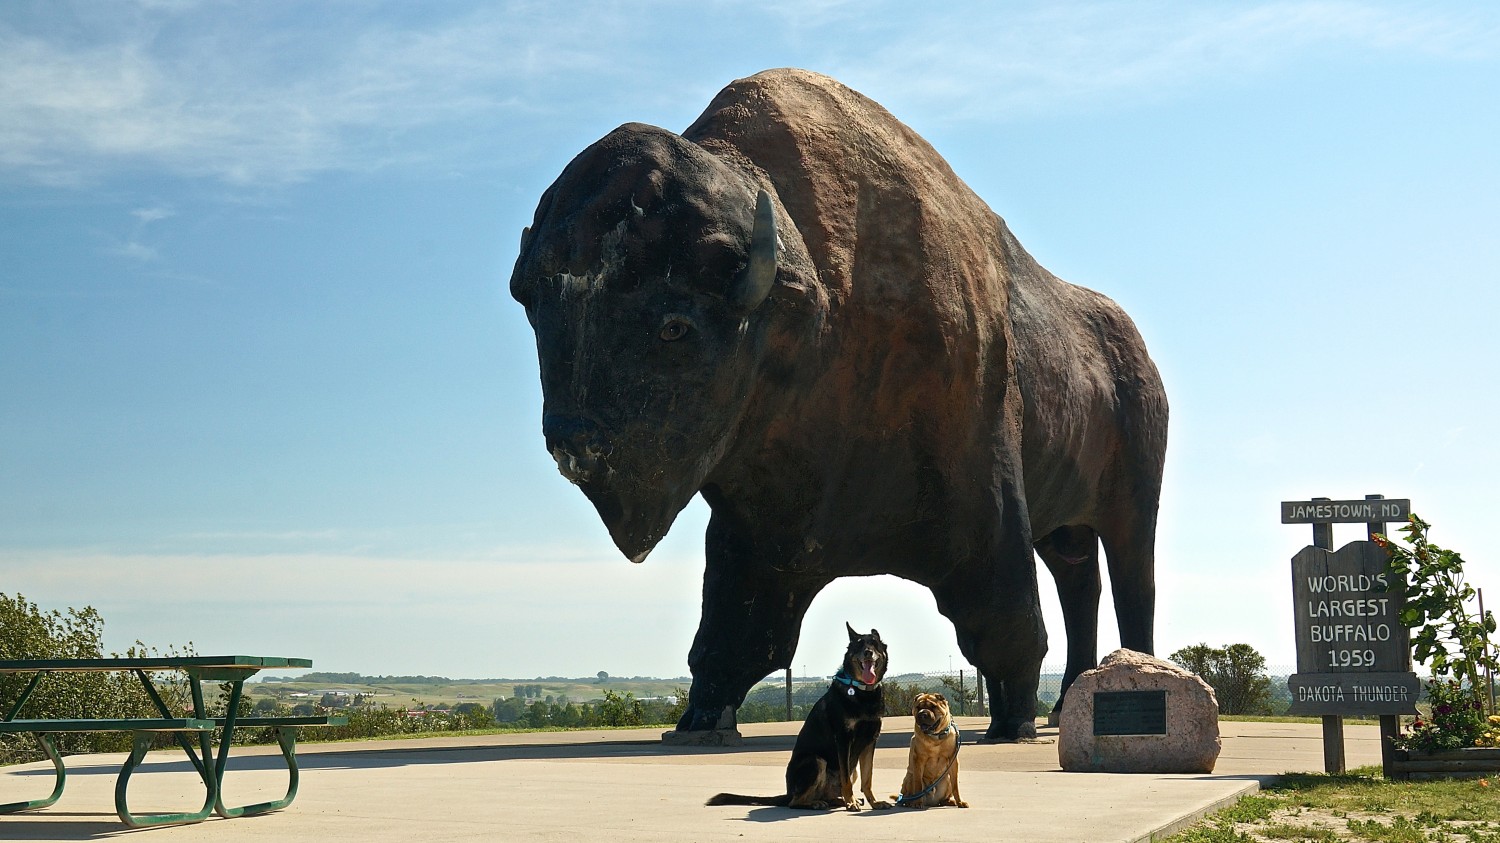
<point>449,692</point>
<point>452,692</point>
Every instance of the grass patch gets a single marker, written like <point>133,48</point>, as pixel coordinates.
<point>1359,805</point>
<point>1300,833</point>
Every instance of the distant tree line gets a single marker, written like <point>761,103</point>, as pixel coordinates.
<point>614,710</point>
<point>326,678</point>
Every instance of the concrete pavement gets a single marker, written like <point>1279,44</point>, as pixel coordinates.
<point>625,785</point>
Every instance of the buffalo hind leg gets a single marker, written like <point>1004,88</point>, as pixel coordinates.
<point>1000,631</point>
<point>1072,555</point>
<point>1130,552</point>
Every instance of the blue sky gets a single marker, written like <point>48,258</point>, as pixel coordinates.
<point>262,388</point>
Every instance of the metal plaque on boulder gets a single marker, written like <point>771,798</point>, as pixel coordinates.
<point>1130,712</point>
<point>1148,716</point>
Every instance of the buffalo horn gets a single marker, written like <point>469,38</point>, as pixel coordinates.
<point>755,284</point>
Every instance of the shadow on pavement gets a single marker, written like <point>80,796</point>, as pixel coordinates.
<point>368,756</point>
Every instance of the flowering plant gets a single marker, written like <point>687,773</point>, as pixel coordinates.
<point>1447,638</point>
<point>1491,736</point>
<point>1457,721</point>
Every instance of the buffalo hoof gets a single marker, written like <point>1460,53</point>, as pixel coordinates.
<point>1013,732</point>
<point>706,719</point>
<point>704,737</point>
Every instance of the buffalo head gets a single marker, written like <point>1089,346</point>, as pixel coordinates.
<point>640,275</point>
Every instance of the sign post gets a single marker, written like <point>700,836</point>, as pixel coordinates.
<point>1353,653</point>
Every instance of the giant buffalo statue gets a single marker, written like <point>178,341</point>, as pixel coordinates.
<point>798,311</point>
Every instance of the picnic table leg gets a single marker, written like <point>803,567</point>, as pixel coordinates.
<point>57,789</point>
<point>138,749</point>
<point>286,736</point>
<point>182,740</point>
<point>25,695</point>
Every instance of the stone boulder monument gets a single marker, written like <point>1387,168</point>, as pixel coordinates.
<point>1135,713</point>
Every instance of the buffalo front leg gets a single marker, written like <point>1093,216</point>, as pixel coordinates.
<point>752,615</point>
<point>749,628</point>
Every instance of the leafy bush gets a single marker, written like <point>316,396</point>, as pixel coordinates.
<point>1237,673</point>
<point>617,710</point>
<point>900,699</point>
<point>27,632</point>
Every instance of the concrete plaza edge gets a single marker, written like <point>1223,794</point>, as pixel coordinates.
<point>625,785</point>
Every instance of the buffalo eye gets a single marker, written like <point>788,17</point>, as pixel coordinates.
<point>674,328</point>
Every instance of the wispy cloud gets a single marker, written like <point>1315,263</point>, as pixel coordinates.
<point>266,103</point>
<point>134,246</point>
<point>254,94</point>
<point>1000,62</point>
<point>153,214</point>
<point>135,250</point>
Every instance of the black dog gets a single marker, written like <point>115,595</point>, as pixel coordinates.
<point>839,732</point>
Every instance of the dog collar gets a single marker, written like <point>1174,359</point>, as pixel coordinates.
<point>854,683</point>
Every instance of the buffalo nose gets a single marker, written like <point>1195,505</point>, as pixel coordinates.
<point>577,445</point>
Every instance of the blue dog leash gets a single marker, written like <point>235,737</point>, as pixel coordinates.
<point>957,742</point>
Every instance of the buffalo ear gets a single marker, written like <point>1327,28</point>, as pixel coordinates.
<point>853,636</point>
<point>753,284</point>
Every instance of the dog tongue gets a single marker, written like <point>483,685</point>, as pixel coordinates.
<point>867,673</point>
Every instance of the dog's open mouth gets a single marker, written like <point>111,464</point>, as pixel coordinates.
<point>866,669</point>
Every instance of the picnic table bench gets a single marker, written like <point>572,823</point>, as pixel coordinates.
<point>210,767</point>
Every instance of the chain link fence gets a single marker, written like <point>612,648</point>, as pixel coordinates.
<point>1262,693</point>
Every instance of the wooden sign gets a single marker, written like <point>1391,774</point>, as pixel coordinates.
<point>1368,511</point>
<point>1348,611</point>
<point>1353,693</point>
<point>1130,712</point>
<point>1353,654</point>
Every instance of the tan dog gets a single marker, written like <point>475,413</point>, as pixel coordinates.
<point>932,768</point>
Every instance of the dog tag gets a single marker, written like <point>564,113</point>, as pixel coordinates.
<point>851,690</point>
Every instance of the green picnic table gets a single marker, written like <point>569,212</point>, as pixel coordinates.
<point>199,669</point>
